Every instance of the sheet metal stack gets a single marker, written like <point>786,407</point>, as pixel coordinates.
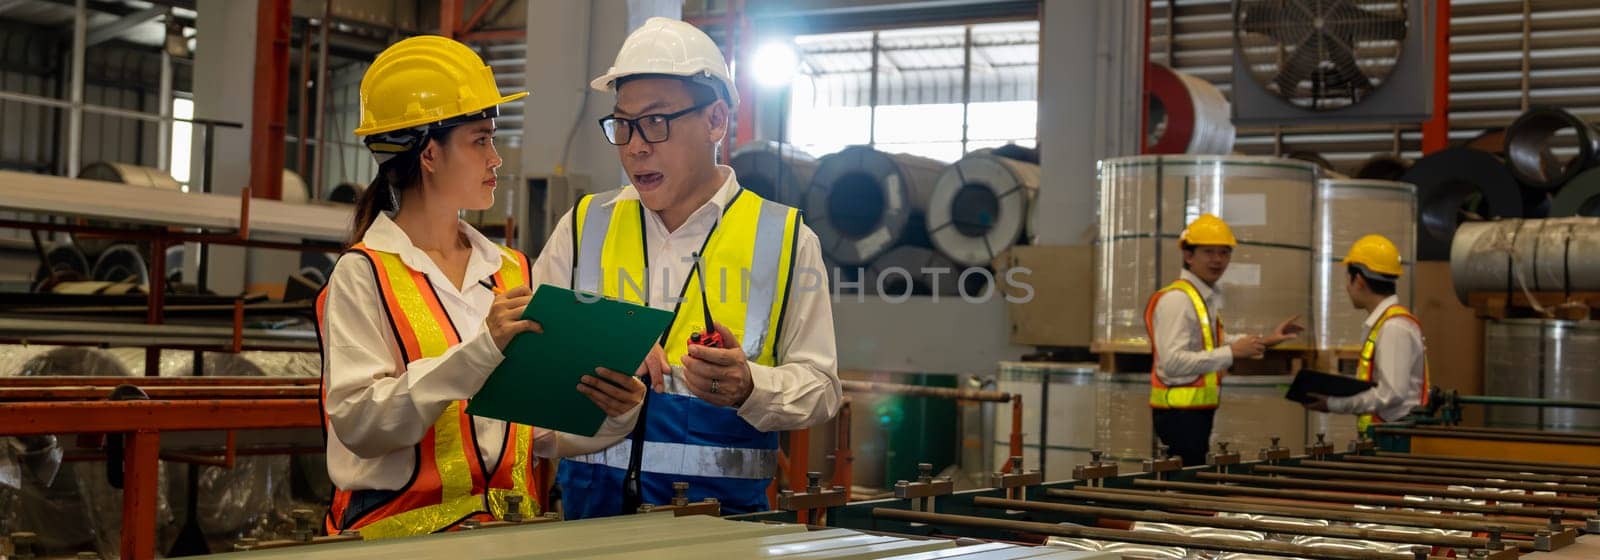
<point>664,537</point>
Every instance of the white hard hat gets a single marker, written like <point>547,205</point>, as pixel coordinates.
<point>671,47</point>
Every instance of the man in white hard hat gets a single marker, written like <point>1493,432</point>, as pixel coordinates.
<point>717,408</point>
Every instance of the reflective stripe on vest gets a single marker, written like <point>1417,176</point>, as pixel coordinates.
<point>747,261</point>
<point>1205,391</point>
<point>449,482</point>
<point>1369,349</point>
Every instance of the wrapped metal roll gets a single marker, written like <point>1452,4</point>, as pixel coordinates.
<point>1457,185</point>
<point>78,509</point>
<point>912,270</point>
<point>1146,201</point>
<point>1528,145</point>
<point>64,262</point>
<point>980,207</point>
<point>779,173</point>
<point>1542,358</point>
<point>127,174</point>
<point>295,189</point>
<point>1384,167</point>
<point>122,263</point>
<point>862,202</point>
<point>1580,197</point>
<point>1188,115</point>
<point>130,174</point>
<point>1550,255</point>
<point>1348,209</point>
<point>254,496</point>
<point>1067,433</point>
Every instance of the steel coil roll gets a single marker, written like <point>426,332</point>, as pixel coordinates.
<point>779,173</point>
<point>1191,115</point>
<point>980,207</point>
<point>1542,358</point>
<point>1457,185</point>
<point>1528,145</point>
<point>1550,255</point>
<point>1581,196</point>
<point>1384,168</point>
<point>863,202</point>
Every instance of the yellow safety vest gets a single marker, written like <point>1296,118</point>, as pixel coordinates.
<point>1370,348</point>
<point>1205,392</point>
<point>747,262</point>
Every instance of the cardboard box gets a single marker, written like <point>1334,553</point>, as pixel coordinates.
<point>1061,310</point>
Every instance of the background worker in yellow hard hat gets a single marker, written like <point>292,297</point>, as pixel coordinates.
<point>715,416</point>
<point>1393,355</point>
<point>416,315</point>
<point>1190,348</point>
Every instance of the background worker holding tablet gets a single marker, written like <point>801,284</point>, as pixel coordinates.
<point>417,314</point>
<point>715,417</point>
<point>1393,357</point>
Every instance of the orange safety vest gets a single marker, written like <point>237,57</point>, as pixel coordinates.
<point>449,484</point>
<point>1205,392</point>
<point>1370,348</point>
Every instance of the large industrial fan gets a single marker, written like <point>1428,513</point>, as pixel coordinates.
<point>1331,60</point>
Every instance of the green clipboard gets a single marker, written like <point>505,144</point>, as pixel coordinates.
<point>536,384</point>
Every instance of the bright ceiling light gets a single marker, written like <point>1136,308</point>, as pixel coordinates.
<point>775,64</point>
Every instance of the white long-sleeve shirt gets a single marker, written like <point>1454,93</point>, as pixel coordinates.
<point>1180,346</point>
<point>378,411</point>
<point>800,392</point>
<point>1397,368</point>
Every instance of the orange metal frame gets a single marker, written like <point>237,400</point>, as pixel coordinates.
<point>142,422</point>
<point>1436,131</point>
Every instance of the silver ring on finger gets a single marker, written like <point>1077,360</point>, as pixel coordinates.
<point>714,386</point>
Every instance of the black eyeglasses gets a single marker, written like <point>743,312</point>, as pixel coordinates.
<point>654,128</point>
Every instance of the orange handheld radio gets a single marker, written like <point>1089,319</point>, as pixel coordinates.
<point>710,337</point>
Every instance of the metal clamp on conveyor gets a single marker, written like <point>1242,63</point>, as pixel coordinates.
<point>1096,471</point>
<point>681,505</point>
<point>926,488</point>
<point>814,498</point>
<point>1016,482</point>
<point>1222,457</point>
<point>1320,449</point>
<point>1276,453</point>
<point>1363,445</point>
<point>1163,463</point>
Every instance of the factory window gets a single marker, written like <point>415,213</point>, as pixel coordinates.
<point>938,92</point>
<point>182,140</point>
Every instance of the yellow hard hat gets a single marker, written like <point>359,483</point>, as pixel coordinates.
<point>1207,230</point>
<point>426,80</point>
<point>1377,254</point>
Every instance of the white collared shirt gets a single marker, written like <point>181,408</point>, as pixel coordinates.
<point>1399,359</point>
<point>377,413</point>
<point>1180,346</point>
<point>804,389</point>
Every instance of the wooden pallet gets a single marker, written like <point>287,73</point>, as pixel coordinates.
<point>1558,305</point>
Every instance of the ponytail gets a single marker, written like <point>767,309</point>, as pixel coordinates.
<point>397,173</point>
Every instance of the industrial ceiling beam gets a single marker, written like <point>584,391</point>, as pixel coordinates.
<point>115,29</point>
<point>119,10</point>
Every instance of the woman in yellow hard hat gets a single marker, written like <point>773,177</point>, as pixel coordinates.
<point>1189,347</point>
<point>418,312</point>
<point>1393,355</point>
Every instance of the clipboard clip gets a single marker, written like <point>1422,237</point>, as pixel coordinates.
<point>710,337</point>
